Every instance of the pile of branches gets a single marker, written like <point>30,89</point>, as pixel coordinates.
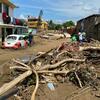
<point>56,65</point>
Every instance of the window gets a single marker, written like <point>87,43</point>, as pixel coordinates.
<point>20,38</point>
<point>0,7</point>
<point>11,38</point>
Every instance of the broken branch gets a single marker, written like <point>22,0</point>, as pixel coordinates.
<point>19,67</point>
<point>18,62</point>
<point>69,54</point>
<point>14,82</point>
<point>54,72</point>
<point>61,62</point>
<point>79,81</point>
<point>88,48</point>
<point>36,87</point>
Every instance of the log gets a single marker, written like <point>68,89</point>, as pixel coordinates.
<point>53,72</point>
<point>69,54</point>
<point>88,48</point>
<point>14,82</point>
<point>9,93</point>
<point>18,62</point>
<point>78,79</point>
<point>19,67</point>
<point>37,85</point>
<point>60,63</point>
<point>57,50</point>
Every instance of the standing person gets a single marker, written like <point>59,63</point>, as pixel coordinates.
<point>80,37</point>
<point>84,36</point>
<point>30,39</point>
<point>74,37</point>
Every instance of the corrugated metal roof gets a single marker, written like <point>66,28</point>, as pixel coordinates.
<point>94,15</point>
<point>9,3</point>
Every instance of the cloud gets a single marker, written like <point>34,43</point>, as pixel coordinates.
<point>78,4</point>
<point>89,9</point>
<point>22,16</point>
<point>61,9</point>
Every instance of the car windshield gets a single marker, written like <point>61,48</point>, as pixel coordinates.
<point>13,38</point>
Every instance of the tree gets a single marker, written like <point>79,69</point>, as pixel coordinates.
<point>51,25</point>
<point>58,27</point>
<point>54,26</point>
<point>68,24</point>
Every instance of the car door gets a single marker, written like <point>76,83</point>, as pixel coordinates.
<point>21,40</point>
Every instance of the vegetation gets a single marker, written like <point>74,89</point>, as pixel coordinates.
<point>54,26</point>
<point>51,25</point>
<point>68,24</point>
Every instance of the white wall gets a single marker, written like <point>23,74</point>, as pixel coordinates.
<point>1,21</point>
<point>10,12</point>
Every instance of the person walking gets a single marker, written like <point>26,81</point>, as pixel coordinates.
<point>30,39</point>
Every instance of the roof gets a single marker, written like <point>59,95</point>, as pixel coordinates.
<point>32,19</point>
<point>9,3</point>
<point>94,15</point>
<point>16,35</point>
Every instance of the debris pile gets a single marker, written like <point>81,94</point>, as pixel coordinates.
<point>68,62</point>
<point>55,35</point>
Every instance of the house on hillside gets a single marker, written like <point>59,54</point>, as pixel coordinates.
<point>8,23</point>
<point>90,25</point>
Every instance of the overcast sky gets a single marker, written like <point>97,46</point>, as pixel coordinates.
<point>57,10</point>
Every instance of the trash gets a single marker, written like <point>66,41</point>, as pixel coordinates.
<point>51,86</point>
<point>58,65</point>
<point>97,95</point>
<point>52,36</point>
<point>25,59</point>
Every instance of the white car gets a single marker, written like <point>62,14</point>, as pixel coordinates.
<point>15,41</point>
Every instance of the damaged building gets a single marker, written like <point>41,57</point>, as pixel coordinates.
<point>90,25</point>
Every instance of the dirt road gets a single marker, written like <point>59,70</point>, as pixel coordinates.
<point>39,45</point>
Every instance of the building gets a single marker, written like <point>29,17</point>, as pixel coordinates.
<point>8,23</point>
<point>90,25</point>
<point>33,23</point>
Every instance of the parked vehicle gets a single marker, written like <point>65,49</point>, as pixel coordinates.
<point>15,41</point>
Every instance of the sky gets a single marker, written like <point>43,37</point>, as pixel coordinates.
<point>57,10</point>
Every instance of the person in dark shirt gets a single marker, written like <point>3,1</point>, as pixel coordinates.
<point>30,39</point>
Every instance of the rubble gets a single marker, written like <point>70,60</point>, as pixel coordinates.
<point>66,62</point>
<point>54,36</point>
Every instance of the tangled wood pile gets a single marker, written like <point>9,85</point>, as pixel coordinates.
<point>69,61</point>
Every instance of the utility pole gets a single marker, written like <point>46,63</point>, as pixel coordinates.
<point>39,21</point>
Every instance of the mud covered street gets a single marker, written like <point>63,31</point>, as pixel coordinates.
<point>40,45</point>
